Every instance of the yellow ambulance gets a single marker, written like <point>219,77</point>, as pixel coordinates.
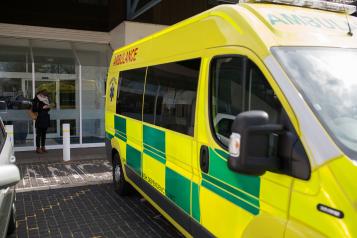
<point>242,121</point>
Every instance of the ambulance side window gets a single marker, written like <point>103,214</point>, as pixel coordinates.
<point>170,95</point>
<point>227,78</point>
<point>259,94</point>
<point>237,85</point>
<point>130,93</point>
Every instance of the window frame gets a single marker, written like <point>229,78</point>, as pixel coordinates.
<point>246,62</point>
<point>147,68</point>
<point>210,82</point>
<point>117,101</point>
<point>3,134</point>
<point>196,94</point>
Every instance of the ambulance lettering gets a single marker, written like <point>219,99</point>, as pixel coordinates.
<point>317,22</point>
<point>153,183</point>
<point>126,57</point>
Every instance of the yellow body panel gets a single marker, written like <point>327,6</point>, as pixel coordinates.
<point>121,146</point>
<point>154,173</point>
<point>135,133</point>
<point>178,158</point>
<point>332,185</point>
<point>217,215</point>
<point>272,205</point>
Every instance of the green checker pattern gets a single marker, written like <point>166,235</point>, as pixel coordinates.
<point>241,190</point>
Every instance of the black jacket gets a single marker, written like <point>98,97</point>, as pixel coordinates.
<point>43,118</point>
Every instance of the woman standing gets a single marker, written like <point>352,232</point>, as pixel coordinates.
<point>41,105</point>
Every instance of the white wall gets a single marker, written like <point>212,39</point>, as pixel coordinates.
<point>128,32</point>
<point>49,33</point>
<point>117,36</point>
<point>125,33</point>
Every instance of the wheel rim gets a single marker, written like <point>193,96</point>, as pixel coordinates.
<point>117,173</point>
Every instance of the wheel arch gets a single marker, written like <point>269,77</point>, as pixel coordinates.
<point>114,152</point>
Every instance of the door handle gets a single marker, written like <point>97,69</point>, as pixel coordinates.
<point>204,158</point>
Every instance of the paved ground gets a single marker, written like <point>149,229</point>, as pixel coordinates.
<point>40,176</point>
<point>77,154</point>
<point>76,199</point>
<point>88,211</point>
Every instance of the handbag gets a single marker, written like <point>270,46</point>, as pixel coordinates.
<point>32,114</point>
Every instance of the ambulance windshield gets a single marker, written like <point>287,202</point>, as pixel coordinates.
<point>327,79</point>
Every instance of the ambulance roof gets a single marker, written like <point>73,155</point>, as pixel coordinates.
<point>292,25</point>
<point>257,26</point>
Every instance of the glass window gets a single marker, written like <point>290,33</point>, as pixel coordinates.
<point>97,55</point>
<point>130,93</point>
<point>72,131</point>
<point>14,55</point>
<point>93,82</point>
<point>67,94</point>
<point>237,85</point>
<point>170,95</point>
<point>14,59</point>
<point>16,88</point>
<point>259,94</point>
<point>53,57</point>
<point>326,78</point>
<point>57,71</point>
<point>58,66</point>
<point>94,59</point>
<point>227,78</point>
<point>2,135</point>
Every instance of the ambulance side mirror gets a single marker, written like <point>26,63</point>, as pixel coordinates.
<point>253,144</point>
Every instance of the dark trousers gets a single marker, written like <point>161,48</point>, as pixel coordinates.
<point>40,137</point>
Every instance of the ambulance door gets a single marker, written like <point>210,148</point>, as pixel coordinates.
<point>169,109</point>
<point>233,204</point>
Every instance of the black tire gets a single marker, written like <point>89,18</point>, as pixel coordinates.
<point>121,186</point>
<point>12,222</point>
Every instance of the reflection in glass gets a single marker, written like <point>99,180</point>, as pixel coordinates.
<point>16,88</point>
<point>68,94</point>
<point>326,79</point>
<point>56,66</point>
<point>93,81</point>
<point>170,95</point>
<point>56,71</point>
<point>50,87</point>
<point>94,59</point>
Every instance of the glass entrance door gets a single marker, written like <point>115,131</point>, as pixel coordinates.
<point>56,70</point>
<point>73,73</point>
<point>64,101</point>
<point>50,85</point>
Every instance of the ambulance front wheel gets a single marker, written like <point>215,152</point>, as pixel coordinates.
<point>121,186</point>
